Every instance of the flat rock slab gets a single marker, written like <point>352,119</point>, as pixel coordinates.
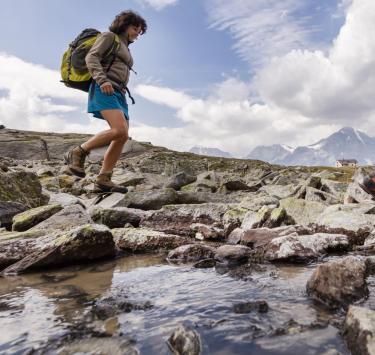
<point>177,219</point>
<point>303,248</point>
<point>67,218</point>
<point>359,330</point>
<point>233,254</point>
<point>85,243</point>
<point>191,253</point>
<point>14,246</point>
<point>117,217</point>
<point>28,219</point>
<point>146,240</point>
<point>339,283</point>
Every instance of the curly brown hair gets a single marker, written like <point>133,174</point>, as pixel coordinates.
<point>125,19</point>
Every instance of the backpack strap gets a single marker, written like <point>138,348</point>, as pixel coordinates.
<point>130,95</point>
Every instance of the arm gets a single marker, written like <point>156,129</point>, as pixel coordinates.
<point>95,56</point>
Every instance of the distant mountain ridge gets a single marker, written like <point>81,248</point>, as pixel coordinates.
<point>213,152</point>
<point>347,143</point>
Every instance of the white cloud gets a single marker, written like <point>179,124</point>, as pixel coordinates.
<point>261,29</point>
<point>304,95</point>
<point>31,96</point>
<point>158,4</point>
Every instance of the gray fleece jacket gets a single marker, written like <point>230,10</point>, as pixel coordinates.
<point>118,74</point>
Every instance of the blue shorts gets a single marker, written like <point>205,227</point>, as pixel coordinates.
<point>99,101</point>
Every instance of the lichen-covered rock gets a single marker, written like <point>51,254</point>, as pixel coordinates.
<point>278,217</point>
<point>279,191</point>
<point>255,203</point>
<point>313,194</point>
<point>82,244</point>
<point>359,330</point>
<point>140,240</point>
<point>191,253</point>
<point>303,212</point>
<point>185,341</point>
<point>303,248</point>
<point>116,217</point>
<point>233,254</point>
<point>177,219</point>
<point>354,220</point>
<point>339,283</point>
<point>67,218</point>
<point>23,187</point>
<point>25,220</point>
<point>8,210</point>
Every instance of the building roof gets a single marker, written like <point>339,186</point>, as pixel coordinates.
<point>348,161</point>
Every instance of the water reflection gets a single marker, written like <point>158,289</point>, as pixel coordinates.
<point>37,307</point>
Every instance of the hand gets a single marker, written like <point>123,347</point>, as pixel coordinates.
<point>107,88</point>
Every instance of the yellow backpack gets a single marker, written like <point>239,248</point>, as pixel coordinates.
<point>74,72</point>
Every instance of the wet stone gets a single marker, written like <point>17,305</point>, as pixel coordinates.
<point>233,254</point>
<point>247,307</point>
<point>185,341</point>
<point>205,264</point>
<point>191,252</point>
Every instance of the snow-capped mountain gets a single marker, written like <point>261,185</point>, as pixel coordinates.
<point>347,143</point>
<point>213,152</point>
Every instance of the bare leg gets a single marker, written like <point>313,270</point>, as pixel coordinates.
<point>117,136</point>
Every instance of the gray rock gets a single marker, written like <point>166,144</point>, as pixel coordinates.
<point>116,217</point>
<point>303,212</point>
<point>255,203</point>
<point>260,237</point>
<point>179,180</point>
<point>25,220</point>
<point>64,199</point>
<point>339,283</point>
<point>142,240</point>
<point>313,194</point>
<point>359,330</point>
<point>354,192</point>
<point>185,341</point>
<point>279,191</point>
<point>67,218</point>
<point>233,254</point>
<point>303,248</point>
<point>8,210</point>
<point>177,219</point>
<point>85,243</point>
<point>191,253</point>
<point>205,232</point>
<point>355,220</point>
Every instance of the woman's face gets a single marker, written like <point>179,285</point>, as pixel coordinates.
<point>132,32</point>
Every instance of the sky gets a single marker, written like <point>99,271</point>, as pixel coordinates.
<point>223,74</point>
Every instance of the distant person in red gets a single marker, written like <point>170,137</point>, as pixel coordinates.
<point>107,98</point>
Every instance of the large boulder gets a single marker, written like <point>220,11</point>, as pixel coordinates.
<point>303,212</point>
<point>82,244</point>
<point>355,220</point>
<point>23,187</point>
<point>339,283</point>
<point>179,180</point>
<point>140,240</point>
<point>359,330</point>
<point>303,248</point>
<point>25,220</point>
<point>355,193</point>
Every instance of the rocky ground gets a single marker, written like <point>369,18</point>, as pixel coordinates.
<point>232,214</point>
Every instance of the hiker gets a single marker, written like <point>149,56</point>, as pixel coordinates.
<point>107,98</point>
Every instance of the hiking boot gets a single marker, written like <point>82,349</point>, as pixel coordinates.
<point>75,159</point>
<point>104,183</point>
<point>368,185</point>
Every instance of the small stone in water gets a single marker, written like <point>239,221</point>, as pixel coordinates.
<point>185,341</point>
<point>205,264</point>
<point>247,307</point>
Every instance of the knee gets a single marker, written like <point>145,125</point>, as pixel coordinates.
<point>120,134</point>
